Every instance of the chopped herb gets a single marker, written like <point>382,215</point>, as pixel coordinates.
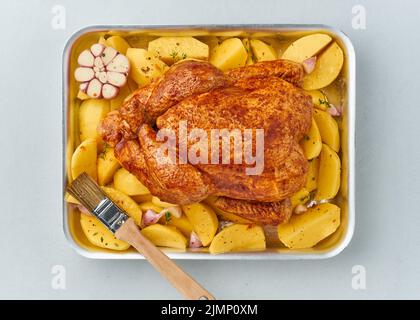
<point>102,239</point>
<point>184,56</point>
<point>95,234</point>
<point>321,102</point>
<point>167,216</point>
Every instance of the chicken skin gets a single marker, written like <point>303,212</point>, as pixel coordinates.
<point>264,96</point>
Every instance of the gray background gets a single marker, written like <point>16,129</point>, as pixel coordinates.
<point>387,237</point>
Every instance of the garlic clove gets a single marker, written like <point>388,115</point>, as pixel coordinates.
<point>94,89</point>
<point>98,64</point>
<point>150,217</point>
<point>97,49</point>
<point>109,91</point>
<point>86,59</point>
<point>195,241</point>
<point>309,64</point>
<point>108,54</point>
<point>119,64</point>
<point>102,76</point>
<point>83,86</point>
<point>83,74</point>
<point>116,78</point>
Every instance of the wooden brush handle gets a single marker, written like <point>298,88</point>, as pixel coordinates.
<point>187,286</point>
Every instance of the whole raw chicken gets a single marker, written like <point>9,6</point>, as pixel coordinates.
<point>265,95</point>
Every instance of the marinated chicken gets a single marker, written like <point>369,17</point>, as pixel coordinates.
<point>265,95</point>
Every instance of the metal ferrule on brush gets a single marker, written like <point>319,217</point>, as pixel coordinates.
<point>109,214</point>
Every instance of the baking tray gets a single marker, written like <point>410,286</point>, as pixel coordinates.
<point>329,247</point>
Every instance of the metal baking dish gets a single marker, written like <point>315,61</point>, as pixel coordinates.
<point>282,33</point>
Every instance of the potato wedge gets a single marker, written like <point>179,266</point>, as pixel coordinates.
<point>300,197</point>
<point>107,165</point>
<point>118,43</point>
<point>328,129</point>
<point>311,142</point>
<point>319,99</point>
<point>84,159</point>
<point>328,67</point>
<point>329,174</point>
<point>82,96</point>
<point>182,224</point>
<point>238,237</point>
<point>247,45</point>
<point>99,235</point>
<point>306,47</point>
<point>125,202</point>
<point>148,205</point>
<point>142,198</point>
<point>231,53</point>
<point>309,228</point>
<point>144,66</point>
<point>262,51</point>
<point>102,41</point>
<point>312,176</point>
<point>165,236</point>
<point>91,113</point>
<point>126,182</point>
<point>174,49</point>
<point>203,219</point>
<point>156,201</point>
<point>70,199</point>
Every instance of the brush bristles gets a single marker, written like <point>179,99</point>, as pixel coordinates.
<point>86,191</point>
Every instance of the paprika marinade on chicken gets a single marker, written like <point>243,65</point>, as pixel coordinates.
<point>265,95</point>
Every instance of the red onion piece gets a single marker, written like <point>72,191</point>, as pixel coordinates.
<point>195,241</point>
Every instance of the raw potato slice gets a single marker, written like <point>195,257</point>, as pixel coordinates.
<point>203,219</point>
<point>238,237</point>
<point>142,198</point>
<point>307,229</point>
<point>126,182</point>
<point>312,176</point>
<point>230,54</point>
<point>329,174</point>
<point>84,159</point>
<point>311,142</point>
<point>263,51</point>
<point>319,99</point>
<point>173,49</point>
<point>156,201</point>
<point>82,96</point>
<point>148,205</point>
<point>328,128</point>
<point>118,43</point>
<point>70,199</point>
<point>144,66</point>
<point>306,47</point>
<point>91,113</point>
<point>300,197</point>
<point>99,235</point>
<point>107,165</point>
<point>125,202</point>
<point>247,45</point>
<point>165,236</point>
<point>183,224</point>
<point>327,69</point>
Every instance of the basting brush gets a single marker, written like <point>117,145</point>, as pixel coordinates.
<point>89,194</point>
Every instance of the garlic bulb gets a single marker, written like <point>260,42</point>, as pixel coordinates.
<point>102,71</point>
